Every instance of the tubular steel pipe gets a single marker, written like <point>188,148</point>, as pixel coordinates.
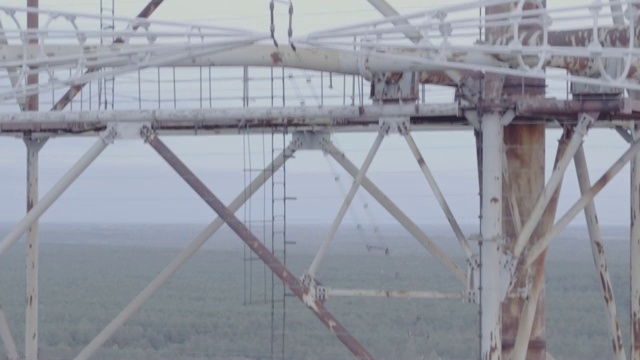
<point>184,255</point>
<point>31,312</point>
<point>439,196</point>
<point>597,248</point>
<point>291,281</point>
<point>434,295</point>
<point>635,251</point>
<point>75,89</point>
<point>584,200</point>
<point>398,214</point>
<point>313,268</point>
<point>58,189</point>
<point>490,296</point>
<point>7,339</point>
<point>554,181</point>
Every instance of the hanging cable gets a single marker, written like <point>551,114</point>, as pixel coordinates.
<point>290,32</point>
<point>273,25</point>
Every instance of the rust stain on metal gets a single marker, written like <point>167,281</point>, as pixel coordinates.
<point>276,58</point>
<point>274,264</point>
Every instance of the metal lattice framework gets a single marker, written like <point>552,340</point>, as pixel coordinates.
<point>498,67</point>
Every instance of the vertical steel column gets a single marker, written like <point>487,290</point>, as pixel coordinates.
<point>183,256</point>
<point>635,251</point>
<point>7,339</point>
<point>58,189</point>
<point>295,285</point>
<point>32,78</point>
<point>346,203</point>
<point>597,249</point>
<point>31,323</point>
<point>490,296</point>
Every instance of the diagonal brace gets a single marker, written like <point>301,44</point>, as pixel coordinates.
<point>294,284</point>
<point>441,200</point>
<point>553,183</point>
<point>345,205</point>
<point>398,214</point>
<point>7,339</point>
<point>184,255</point>
<point>585,199</point>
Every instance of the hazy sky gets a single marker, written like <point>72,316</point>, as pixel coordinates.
<point>130,183</point>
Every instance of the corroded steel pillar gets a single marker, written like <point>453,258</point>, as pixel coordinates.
<point>635,252</point>
<point>525,149</point>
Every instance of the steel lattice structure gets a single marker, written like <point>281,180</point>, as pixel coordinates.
<point>499,78</point>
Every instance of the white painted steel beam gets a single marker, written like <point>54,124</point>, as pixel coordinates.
<point>392,294</point>
<point>398,214</point>
<point>555,180</point>
<point>544,242</point>
<point>324,247</point>
<point>635,250</point>
<point>599,259</point>
<point>318,115</point>
<point>462,239</point>
<point>32,299</point>
<point>492,237</point>
<point>58,189</point>
<point>183,256</point>
<point>7,339</point>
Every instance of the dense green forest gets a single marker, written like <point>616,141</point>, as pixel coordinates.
<point>203,312</point>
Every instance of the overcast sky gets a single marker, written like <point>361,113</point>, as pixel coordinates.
<point>129,183</point>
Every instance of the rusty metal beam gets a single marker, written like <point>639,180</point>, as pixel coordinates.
<point>31,313</point>
<point>290,280</point>
<point>635,250</point>
<point>530,322</point>
<point>75,89</point>
<point>597,249</point>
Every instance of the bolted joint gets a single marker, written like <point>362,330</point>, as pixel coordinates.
<point>147,133</point>
<point>109,135</point>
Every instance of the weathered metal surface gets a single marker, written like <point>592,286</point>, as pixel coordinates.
<point>58,189</point>
<point>291,281</point>
<point>530,341</point>
<point>599,258</point>
<point>635,251</point>
<point>525,153</point>
<point>543,244</point>
<point>462,239</point>
<point>393,294</point>
<point>554,182</point>
<point>351,194</point>
<point>7,339</point>
<point>492,237</point>
<point>185,254</point>
<point>398,214</point>
<point>75,89</point>
<point>32,299</point>
<point>32,77</point>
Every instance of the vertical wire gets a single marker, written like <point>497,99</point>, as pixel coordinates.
<point>175,101</point>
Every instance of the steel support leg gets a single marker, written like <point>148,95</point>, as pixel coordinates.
<point>584,200</point>
<point>553,183</point>
<point>58,189</point>
<point>440,197</point>
<point>227,215</point>
<point>529,339</point>
<point>183,256</point>
<point>635,251</point>
<point>345,204</point>
<point>7,339</point>
<point>597,248</point>
<point>490,296</point>
<point>398,214</point>
<point>31,313</point>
